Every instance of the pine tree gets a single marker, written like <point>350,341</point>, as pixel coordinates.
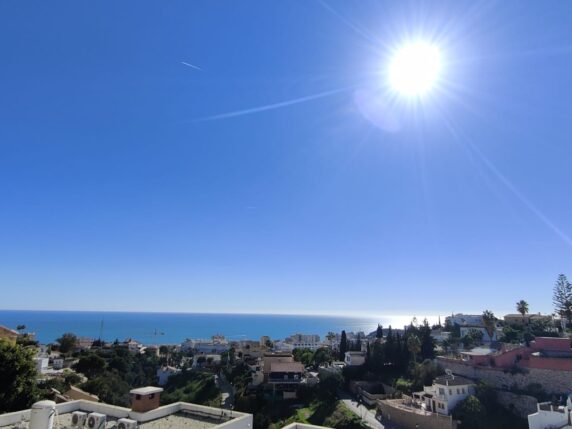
<point>562,297</point>
<point>343,346</point>
<point>379,332</point>
<point>427,341</point>
<point>390,347</point>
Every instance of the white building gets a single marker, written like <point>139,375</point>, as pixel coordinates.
<point>354,358</point>
<point>304,341</point>
<point>466,330</point>
<point>444,394</point>
<point>439,335</point>
<point>207,361</point>
<point>549,416</point>
<point>58,363</point>
<point>465,319</point>
<point>165,372</point>
<point>249,348</point>
<point>216,345</point>
<point>41,364</point>
<point>283,346</point>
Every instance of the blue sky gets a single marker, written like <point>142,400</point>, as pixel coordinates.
<point>117,194</point>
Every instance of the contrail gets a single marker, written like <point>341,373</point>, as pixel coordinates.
<point>350,24</point>
<point>191,66</point>
<point>521,196</point>
<point>507,183</point>
<point>270,106</point>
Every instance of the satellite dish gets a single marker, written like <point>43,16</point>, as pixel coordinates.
<point>448,372</point>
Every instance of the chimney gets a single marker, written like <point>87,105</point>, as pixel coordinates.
<point>145,399</point>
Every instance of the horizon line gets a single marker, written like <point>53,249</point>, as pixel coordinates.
<point>238,313</point>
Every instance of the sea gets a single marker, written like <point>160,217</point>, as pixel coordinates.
<point>174,328</point>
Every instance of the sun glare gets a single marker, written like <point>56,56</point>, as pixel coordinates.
<point>415,69</point>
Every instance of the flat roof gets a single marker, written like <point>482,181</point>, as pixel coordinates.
<point>452,380</point>
<point>174,416</point>
<point>181,420</point>
<point>479,351</point>
<point>286,367</point>
<point>146,390</point>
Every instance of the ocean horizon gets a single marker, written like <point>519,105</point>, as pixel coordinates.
<point>173,328</point>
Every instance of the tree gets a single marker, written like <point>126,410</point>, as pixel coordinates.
<point>427,341</point>
<point>413,345</point>
<point>67,342</point>
<point>522,307</point>
<point>21,328</point>
<point>343,346</point>
<point>489,320</point>
<point>562,297</point>
<point>18,388</point>
<point>379,332</point>
<point>329,385</point>
<point>321,356</point>
<point>91,365</point>
<point>304,356</point>
<point>471,413</point>
<point>473,337</point>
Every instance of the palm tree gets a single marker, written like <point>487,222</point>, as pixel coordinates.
<point>489,320</point>
<point>414,345</point>
<point>522,308</point>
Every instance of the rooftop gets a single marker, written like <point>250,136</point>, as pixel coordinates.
<point>479,351</point>
<point>180,415</point>
<point>452,380</point>
<point>286,367</point>
<point>146,390</point>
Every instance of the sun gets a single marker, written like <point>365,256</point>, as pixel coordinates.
<point>415,69</point>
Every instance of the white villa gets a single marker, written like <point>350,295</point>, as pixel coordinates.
<point>165,372</point>
<point>444,394</point>
<point>549,416</point>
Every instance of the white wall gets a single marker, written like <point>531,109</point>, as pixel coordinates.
<point>238,420</point>
<point>546,419</point>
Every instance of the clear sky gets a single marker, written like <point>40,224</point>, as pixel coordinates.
<point>124,184</point>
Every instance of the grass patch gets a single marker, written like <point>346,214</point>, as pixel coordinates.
<point>331,414</point>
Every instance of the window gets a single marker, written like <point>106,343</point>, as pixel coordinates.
<point>151,396</point>
<point>137,397</point>
<point>450,391</point>
<point>463,390</point>
<point>458,391</point>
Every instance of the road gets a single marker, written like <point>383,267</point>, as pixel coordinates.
<point>366,415</point>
